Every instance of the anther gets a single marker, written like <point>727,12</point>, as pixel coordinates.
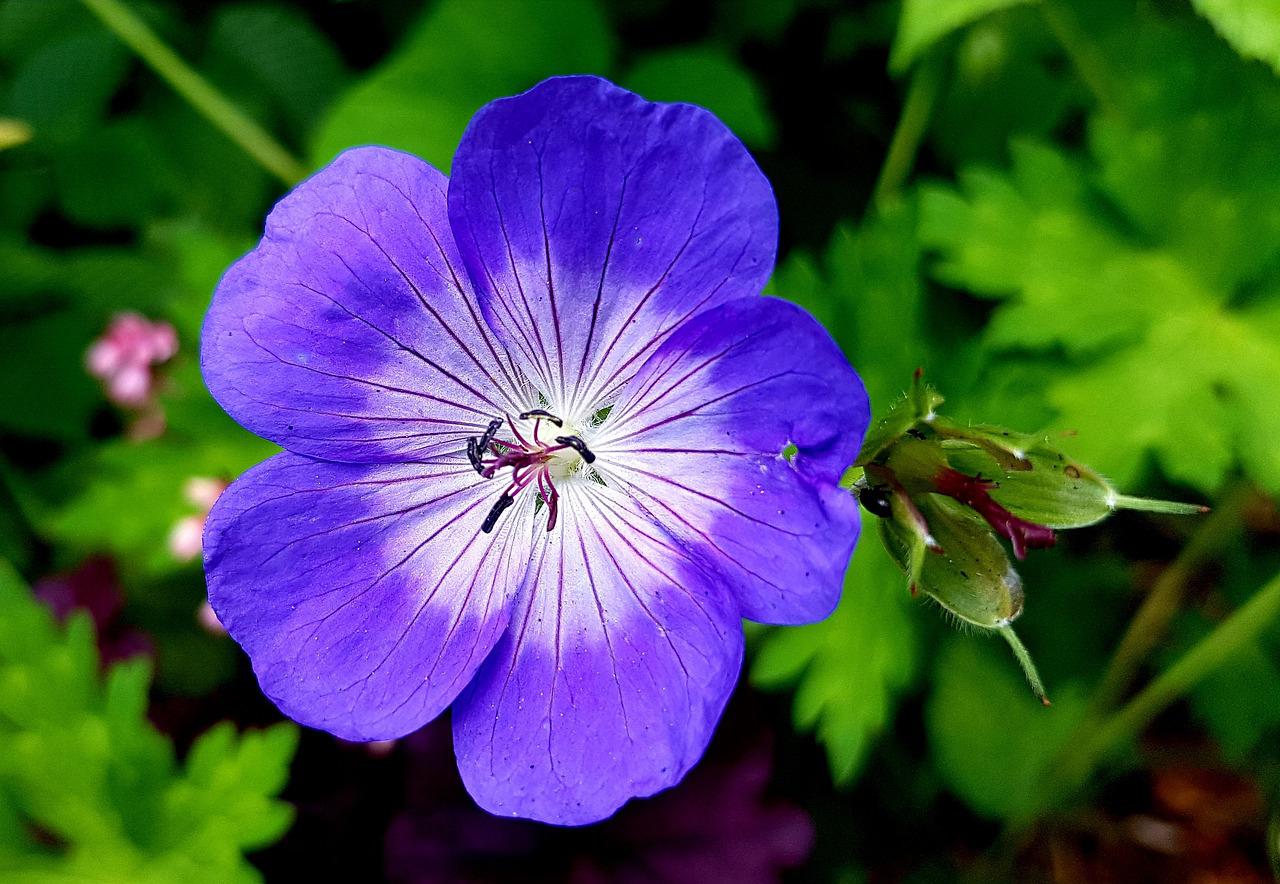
<point>489,433</point>
<point>542,413</point>
<point>577,445</point>
<point>498,508</point>
<point>474,450</point>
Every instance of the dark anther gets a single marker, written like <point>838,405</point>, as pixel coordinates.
<point>875,500</point>
<point>542,413</point>
<point>489,433</point>
<point>474,449</point>
<point>492,519</point>
<point>577,445</point>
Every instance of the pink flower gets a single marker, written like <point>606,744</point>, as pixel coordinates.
<point>185,537</point>
<point>124,356</point>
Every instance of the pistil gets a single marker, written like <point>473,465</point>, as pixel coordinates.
<point>529,462</point>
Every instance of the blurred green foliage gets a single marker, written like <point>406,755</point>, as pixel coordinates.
<point>90,791</point>
<point>1090,241</point>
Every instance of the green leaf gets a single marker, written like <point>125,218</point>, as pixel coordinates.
<point>80,761</point>
<point>867,293</point>
<point>1251,26</point>
<point>98,180</point>
<point>91,502</point>
<point>53,304</point>
<point>709,77</point>
<point>990,738</point>
<point>1008,74</point>
<point>1229,700</point>
<point>261,50</point>
<point>925,22</point>
<point>63,88</point>
<point>848,669</point>
<point>456,60</point>
<point>1160,361</point>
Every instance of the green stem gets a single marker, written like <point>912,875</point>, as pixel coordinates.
<point>1091,745</point>
<point>917,108</point>
<point>1028,665</point>
<point>1088,61</point>
<point>1161,604</point>
<point>208,101</point>
<point>1216,648</point>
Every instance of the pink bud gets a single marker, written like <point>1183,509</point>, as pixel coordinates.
<point>184,538</point>
<point>208,620</point>
<point>124,356</point>
<point>203,491</point>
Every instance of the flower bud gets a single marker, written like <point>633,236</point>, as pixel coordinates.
<point>970,575</point>
<point>946,492</point>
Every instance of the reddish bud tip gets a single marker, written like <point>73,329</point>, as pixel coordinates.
<point>973,493</point>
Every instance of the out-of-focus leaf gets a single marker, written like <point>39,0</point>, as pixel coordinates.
<point>14,132</point>
<point>709,77</point>
<point>925,22</point>
<point>1236,704</point>
<point>207,175</point>
<point>848,669</point>
<point>1006,82</point>
<point>28,25</point>
<point>1165,364</point>
<point>991,739</point>
<point>80,763</point>
<point>106,180</point>
<point>462,54</point>
<point>756,19</point>
<point>1251,26</point>
<point>124,497</point>
<point>275,51</point>
<point>64,87</point>
<point>1189,159</point>
<point>52,306</point>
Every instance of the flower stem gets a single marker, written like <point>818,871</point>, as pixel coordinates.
<point>1204,657</point>
<point>1093,743</point>
<point>1028,665</point>
<point>917,108</point>
<point>1084,54</point>
<point>208,101</point>
<point>1161,604</point>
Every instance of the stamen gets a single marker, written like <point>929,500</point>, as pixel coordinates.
<point>577,445</point>
<point>551,498</point>
<point>489,433</point>
<point>473,454</point>
<point>499,507</point>
<point>529,462</point>
<point>542,413</point>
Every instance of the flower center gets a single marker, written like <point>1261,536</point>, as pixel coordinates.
<point>533,459</point>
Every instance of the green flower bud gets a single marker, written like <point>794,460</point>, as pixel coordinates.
<point>970,574</point>
<point>946,492</point>
<point>1053,490</point>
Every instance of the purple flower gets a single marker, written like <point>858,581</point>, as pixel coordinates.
<point>94,587</point>
<point>535,418</point>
